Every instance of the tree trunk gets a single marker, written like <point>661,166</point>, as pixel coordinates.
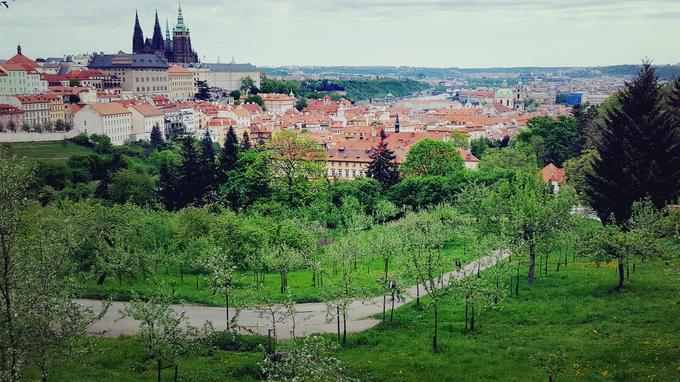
<point>547,257</point>
<point>338,314</point>
<point>158,369</point>
<point>196,280</point>
<point>517,283</point>
<point>436,328</point>
<point>532,263</point>
<point>621,270</point>
<point>344,329</point>
<point>384,307</point>
<point>418,295</point>
<point>466,315</point>
<point>176,372</point>
<point>386,269</point>
<point>472,318</point>
<point>226,304</point>
<point>392,311</point>
<point>511,285</point>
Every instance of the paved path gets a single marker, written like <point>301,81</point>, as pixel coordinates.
<point>310,318</point>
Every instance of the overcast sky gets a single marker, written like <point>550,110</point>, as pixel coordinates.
<point>441,33</point>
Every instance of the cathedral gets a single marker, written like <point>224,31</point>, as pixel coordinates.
<point>178,49</point>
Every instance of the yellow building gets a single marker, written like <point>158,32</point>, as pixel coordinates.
<point>181,83</point>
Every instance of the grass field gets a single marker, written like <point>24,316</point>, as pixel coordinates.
<point>299,283</point>
<point>47,151</point>
<point>606,335</point>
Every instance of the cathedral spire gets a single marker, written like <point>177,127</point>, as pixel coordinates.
<point>157,40</point>
<point>180,27</point>
<point>167,30</point>
<point>137,37</point>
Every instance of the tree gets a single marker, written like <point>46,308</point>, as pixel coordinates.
<point>301,104</point>
<point>156,137</point>
<point>247,84</point>
<point>309,361</point>
<point>249,181</point>
<point>129,186</point>
<point>295,159</point>
<point>166,191</point>
<point>245,142</point>
<point>556,139</point>
<point>228,156</point>
<point>639,151</point>
<point>577,169</point>
<point>203,91</point>
<point>189,178</point>
<point>208,166</point>
<point>222,274</point>
<point>255,99</point>
<point>531,213</point>
<point>383,167</point>
<point>236,95</point>
<point>433,158</point>
<point>478,146</point>
<point>585,116</point>
<point>166,333</point>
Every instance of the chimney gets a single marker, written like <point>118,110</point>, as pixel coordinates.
<point>397,125</point>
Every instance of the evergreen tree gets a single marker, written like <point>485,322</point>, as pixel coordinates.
<point>203,91</point>
<point>189,187</point>
<point>208,166</point>
<point>156,137</point>
<point>228,156</point>
<point>245,142</point>
<point>382,167</point>
<point>166,192</point>
<point>635,149</point>
<point>666,145</point>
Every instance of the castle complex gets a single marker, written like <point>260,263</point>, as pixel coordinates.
<point>176,49</point>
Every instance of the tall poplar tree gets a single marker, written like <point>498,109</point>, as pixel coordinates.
<point>382,167</point>
<point>638,153</point>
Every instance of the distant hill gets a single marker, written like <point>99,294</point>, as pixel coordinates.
<point>665,71</point>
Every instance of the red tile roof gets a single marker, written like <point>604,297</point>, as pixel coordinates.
<point>552,173</point>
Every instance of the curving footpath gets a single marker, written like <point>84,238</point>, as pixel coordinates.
<point>310,318</point>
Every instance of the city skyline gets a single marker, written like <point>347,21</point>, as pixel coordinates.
<point>485,33</point>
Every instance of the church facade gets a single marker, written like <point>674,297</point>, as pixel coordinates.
<point>176,49</point>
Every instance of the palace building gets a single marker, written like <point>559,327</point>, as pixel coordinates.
<point>176,49</point>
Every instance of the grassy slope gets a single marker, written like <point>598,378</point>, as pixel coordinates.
<point>633,336</point>
<point>48,151</point>
<point>299,282</point>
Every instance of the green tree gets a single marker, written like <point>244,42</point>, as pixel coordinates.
<point>478,146</point>
<point>433,158</point>
<point>203,93</point>
<point>249,181</point>
<point>156,137</point>
<point>189,186</point>
<point>236,95</point>
<point>129,186</point>
<point>383,167</point>
<point>255,99</point>
<point>208,165</point>
<point>639,151</point>
<point>247,84</point>
<point>558,139</point>
<point>295,158</point>
<point>228,156</point>
<point>245,142</point>
<point>166,333</point>
<point>301,104</point>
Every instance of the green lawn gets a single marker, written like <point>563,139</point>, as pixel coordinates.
<point>607,336</point>
<point>47,151</point>
<point>299,283</point>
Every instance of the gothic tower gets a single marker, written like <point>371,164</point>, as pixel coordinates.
<point>137,37</point>
<point>181,42</point>
<point>157,41</point>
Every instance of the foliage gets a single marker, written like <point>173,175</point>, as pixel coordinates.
<point>129,186</point>
<point>433,158</point>
<point>556,139</point>
<point>383,167</point>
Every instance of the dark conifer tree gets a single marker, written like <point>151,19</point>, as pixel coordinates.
<point>245,142</point>
<point>382,167</point>
<point>666,145</point>
<point>167,186</point>
<point>208,164</point>
<point>189,187</point>
<point>156,137</point>
<point>633,143</point>
<point>228,156</point>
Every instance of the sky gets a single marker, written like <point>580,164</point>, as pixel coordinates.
<point>428,33</point>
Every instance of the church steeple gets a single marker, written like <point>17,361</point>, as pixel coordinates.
<point>137,37</point>
<point>157,40</point>
<point>167,30</point>
<point>397,125</point>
